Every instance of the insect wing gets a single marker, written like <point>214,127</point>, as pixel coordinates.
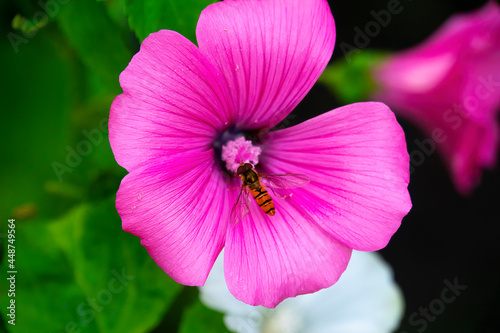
<point>286,180</point>
<point>241,207</point>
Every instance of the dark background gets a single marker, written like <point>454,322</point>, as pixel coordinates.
<point>445,236</point>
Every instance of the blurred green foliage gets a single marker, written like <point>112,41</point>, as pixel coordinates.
<point>350,79</point>
<point>147,16</point>
<point>98,41</point>
<point>78,271</point>
<point>81,272</point>
<point>197,318</point>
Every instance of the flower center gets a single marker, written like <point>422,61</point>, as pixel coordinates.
<point>238,151</point>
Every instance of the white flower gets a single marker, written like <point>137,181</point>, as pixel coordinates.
<point>365,300</point>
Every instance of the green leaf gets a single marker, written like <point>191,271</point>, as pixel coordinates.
<point>98,40</point>
<point>116,10</point>
<point>199,318</point>
<point>49,103</point>
<point>82,272</point>
<point>147,16</point>
<point>97,173</point>
<point>37,97</point>
<point>351,81</point>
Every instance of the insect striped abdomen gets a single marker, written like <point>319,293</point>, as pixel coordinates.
<point>263,199</point>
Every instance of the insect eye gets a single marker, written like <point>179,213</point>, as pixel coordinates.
<point>241,170</point>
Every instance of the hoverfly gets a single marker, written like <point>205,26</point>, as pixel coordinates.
<point>251,184</point>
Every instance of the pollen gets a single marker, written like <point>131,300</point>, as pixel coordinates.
<point>240,151</point>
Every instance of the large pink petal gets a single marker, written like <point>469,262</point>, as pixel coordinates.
<point>268,259</point>
<point>178,206</point>
<point>358,163</point>
<point>466,34</point>
<point>458,64</point>
<point>467,150</point>
<point>269,52</point>
<point>450,84</point>
<point>462,109</point>
<point>481,92</point>
<point>173,100</point>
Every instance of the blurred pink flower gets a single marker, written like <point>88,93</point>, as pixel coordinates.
<point>450,86</point>
<point>181,104</point>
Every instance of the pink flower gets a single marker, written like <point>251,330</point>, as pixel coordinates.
<point>450,86</point>
<point>183,105</point>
